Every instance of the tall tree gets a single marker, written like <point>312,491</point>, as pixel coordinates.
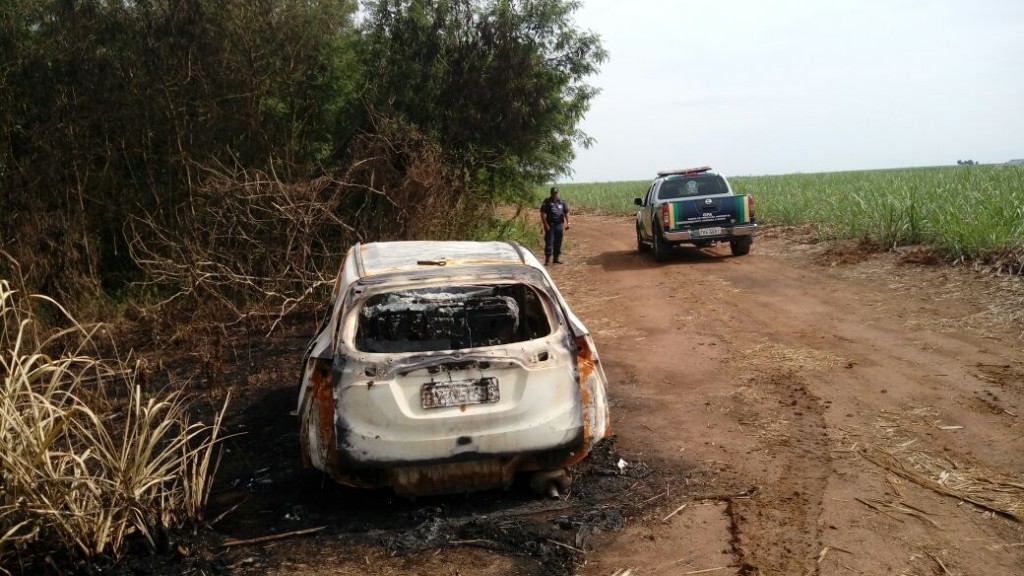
<point>500,84</point>
<point>109,106</point>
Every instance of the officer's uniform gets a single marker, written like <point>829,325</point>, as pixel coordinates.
<point>554,212</point>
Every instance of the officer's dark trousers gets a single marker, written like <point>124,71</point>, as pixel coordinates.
<point>553,240</point>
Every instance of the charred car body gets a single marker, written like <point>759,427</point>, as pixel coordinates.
<point>449,367</point>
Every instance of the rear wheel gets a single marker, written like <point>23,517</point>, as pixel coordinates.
<point>741,246</point>
<point>658,246</point>
<point>550,483</point>
<point>641,246</point>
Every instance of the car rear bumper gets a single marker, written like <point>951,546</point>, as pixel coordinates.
<point>376,433</point>
<point>455,477</point>
<point>727,233</point>
<point>457,461</point>
<point>383,426</point>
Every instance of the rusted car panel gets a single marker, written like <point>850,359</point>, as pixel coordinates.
<point>448,367</point>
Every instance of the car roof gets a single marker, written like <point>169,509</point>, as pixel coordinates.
<point>387,257</point>
<point>412,255</point>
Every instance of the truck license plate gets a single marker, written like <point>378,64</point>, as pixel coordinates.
<point>443,394</point>
<point>709,231</point>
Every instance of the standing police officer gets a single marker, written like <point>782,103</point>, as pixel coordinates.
<point>554,217</point>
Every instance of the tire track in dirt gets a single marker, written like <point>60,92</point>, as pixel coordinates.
<point>690,328</point>
<point>793,363</point>
<point>776,531</point>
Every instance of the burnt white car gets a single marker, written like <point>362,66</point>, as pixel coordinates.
<point>446,367</point>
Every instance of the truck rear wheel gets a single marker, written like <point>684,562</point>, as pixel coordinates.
<point>741,245</point>
<point>658,246</point>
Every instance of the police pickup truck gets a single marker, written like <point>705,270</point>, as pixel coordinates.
<point>693,206</point>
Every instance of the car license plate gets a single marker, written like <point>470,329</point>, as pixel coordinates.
<point>443,394</point>
<point>709,231</point>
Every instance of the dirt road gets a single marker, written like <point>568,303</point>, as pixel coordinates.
<point>800,410</point>
<point>783,372</point>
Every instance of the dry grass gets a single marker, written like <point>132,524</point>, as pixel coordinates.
<point>771,431</point>
<point>81,473</point>
<point>899,452</point>
<point>995,302</point>
<point>778,357</point>
<point>987,490</point>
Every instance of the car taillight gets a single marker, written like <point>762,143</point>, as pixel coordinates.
<point>664,215</point>
<point>750,207</point>
<point>582,348</point>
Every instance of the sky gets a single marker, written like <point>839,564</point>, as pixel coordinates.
<point>755,87</point>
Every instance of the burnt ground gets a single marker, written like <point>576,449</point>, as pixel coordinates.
<point>262,493</point>
<point>271,495</point>
<point>806,409</point>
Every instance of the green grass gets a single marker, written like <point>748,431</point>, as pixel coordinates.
<point>512,226</point>
<point>967,212</point>
<point>609,197</point>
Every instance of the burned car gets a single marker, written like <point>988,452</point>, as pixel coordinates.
<point>446,367</point>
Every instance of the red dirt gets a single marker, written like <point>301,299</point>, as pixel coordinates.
<point>777,370</point>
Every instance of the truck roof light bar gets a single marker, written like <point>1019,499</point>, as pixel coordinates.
<point>697,170</point>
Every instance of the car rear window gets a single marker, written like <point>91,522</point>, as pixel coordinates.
<point>451,318</point>
<point>698,185</point>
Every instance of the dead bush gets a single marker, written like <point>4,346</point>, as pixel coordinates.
<point>248,247</point>
<point>54,253</point>
<point>252,248</point>
<point>402,189</point>
<point>1009,260</point>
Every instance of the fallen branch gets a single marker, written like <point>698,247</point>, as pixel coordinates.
<point>724,497</point>
<point>674,512</point>
<point>566,546</point>
<point>877,509</point>
<point>827,549</point>
<point>903,508</point>
<point>272,537</point>
<point>479,543</point>
<point>655,497</point>
<point>224,513</point>
<point>924,512</point>
<point>889,462</point>
<point>941,565</point>
<point>894,483</point>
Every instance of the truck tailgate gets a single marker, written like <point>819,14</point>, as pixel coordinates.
<point>717,210</point>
